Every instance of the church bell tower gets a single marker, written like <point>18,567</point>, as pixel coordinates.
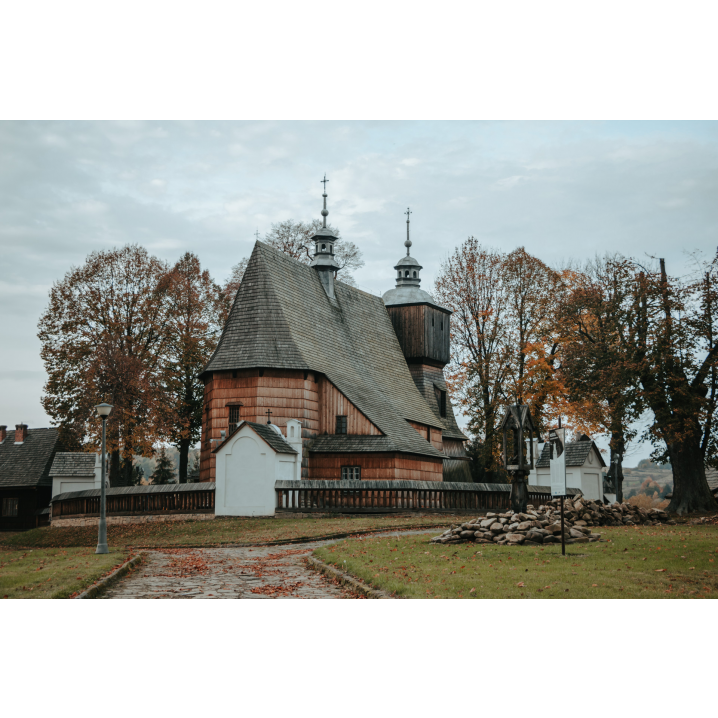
<point>421,325</point>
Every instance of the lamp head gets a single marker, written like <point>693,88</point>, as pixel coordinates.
<point>103,410</point>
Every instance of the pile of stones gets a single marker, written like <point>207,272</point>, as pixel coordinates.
<point>543,525</point>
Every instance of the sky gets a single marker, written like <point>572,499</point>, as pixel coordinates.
<point>563,190</point>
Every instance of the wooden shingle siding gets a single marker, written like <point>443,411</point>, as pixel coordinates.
<point>420,333</point>
<point>283,391</point>
<point>333,403</point>
<point>376,467</point>
<point>423,429</point>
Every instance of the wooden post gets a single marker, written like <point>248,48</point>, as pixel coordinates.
<point>563,540</point>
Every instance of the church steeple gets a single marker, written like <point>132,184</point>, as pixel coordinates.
<point>324,261</point>
<point>407,268</point>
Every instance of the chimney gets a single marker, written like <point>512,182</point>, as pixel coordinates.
<point>20,433</point>
<point>3,433</point>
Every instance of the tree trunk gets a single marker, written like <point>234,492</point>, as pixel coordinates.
<point>690,488</point>
<point>183,460</point>
<point>115,468</point>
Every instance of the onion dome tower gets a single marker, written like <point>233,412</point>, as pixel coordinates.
<point>421,325</point>
<point>324,261</point>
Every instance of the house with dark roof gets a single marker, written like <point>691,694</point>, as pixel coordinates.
<point>584,468</point>
<point>26,456</point>
<point>362,375</point>
<point>75,471</point>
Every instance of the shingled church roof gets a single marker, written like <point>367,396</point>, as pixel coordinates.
<point>283,319</point>
<point>576,454</point>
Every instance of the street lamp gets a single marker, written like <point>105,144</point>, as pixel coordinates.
<point>103,411</point>
<point>516,428</point>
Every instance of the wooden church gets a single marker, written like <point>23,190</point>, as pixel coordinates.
<point>359,378</point>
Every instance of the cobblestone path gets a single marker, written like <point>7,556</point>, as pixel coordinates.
<point>263,572</point>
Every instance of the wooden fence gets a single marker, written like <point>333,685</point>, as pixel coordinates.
<point>372,497</point>
<point>133,500</point>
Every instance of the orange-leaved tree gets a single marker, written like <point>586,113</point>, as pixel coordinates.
<point>102,338</point>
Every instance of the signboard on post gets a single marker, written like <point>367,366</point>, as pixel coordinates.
<point>557,462</point>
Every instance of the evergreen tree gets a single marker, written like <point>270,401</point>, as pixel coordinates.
<point>164,472</point>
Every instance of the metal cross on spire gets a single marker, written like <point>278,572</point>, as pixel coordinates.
<point>324,211</point>
<point>407,244</point>
<point>256,234</point>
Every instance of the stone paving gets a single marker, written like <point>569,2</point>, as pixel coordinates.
<point>261,572</point>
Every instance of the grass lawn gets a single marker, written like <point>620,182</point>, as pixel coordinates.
<point>53,573</point>
<point>637,562</point>
<point>217,531</point>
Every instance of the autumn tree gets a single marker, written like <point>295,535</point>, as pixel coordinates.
<point>102,339</point>
<point>596,364</point>
<point>194,324</point>
<point>673,339</point>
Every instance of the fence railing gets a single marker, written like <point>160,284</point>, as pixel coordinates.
<point>397,496</point>
<point>129,500</point>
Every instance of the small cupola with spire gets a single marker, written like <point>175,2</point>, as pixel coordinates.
<point>421,325</point>
<point>324,261</point>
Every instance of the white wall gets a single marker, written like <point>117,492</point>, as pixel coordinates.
<point>247,468</point>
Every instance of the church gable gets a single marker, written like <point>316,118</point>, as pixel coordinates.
<point>337,415</point>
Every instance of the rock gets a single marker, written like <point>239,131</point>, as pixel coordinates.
<point>531,543</point>
<point>496,527</point>
<point>534,536</point>
<point>583,539</point>
<point>467,534</point>
<point>551,539</point>
<point>486,523</point>
<point>579,523</point>
<point>513,526</point>
<point>515,538</point>
<point>524,526</point>
<point>491,515</point>
<point>575,533</point>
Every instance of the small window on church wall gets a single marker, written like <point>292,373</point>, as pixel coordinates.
<point>291,431</point>
<point>341,425</point>
<point>324,246</point>
<point>406,274</point>
<point>351,473</point>
<point>414,274</point>
<point>233,419</point>
<point>440,400</point>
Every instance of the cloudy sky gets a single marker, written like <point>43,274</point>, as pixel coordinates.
<point>563,190</point>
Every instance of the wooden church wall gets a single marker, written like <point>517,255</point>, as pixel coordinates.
<point>376,467</point>
<point>436,440</point>
<point>422,331</point>
<point>333,403</point>
<point>287,393</point>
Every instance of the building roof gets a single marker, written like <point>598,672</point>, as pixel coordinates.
<point>127,490</point>
<point>576,454</point>
<point>266,432</point>
<point>78,463</point>
<point>410,294</point>
<point>283,319</point>
<point>28,464</point>
<point>426,380</point>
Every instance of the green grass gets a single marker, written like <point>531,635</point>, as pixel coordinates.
<point>216,531</point>
<point>53,573</point>
<point>638,562</point>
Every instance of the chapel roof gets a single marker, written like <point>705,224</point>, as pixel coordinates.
<point>283,319</point>
<point>28,464</point>
<point>77,463</point>
<point>576,454</point>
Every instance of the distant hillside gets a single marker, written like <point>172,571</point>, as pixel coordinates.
<point>647,474</point>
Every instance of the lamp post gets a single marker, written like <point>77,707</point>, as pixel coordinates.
<point>103,411</point>
<point>516,427</point>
